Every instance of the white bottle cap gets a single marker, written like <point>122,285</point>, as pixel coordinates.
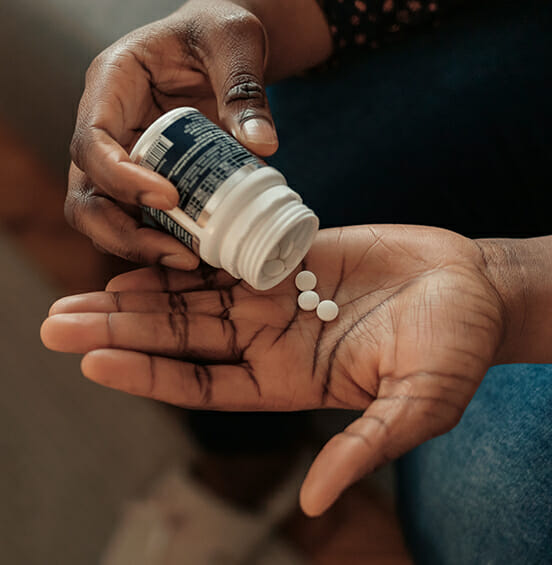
<point>253,220</point>
<point>280,215</point>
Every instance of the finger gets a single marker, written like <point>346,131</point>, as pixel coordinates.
<point>389,428</point>
<point>212,303</point>
<point>163,334</point>
<point>159,279</point>
<point>110,110</point>
<point>110,169</point>
<point>112,229</point>
<point>235,60</point>
<point>227,387</point>
<point>235,304</point>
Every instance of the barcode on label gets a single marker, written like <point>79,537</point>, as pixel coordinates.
<point>156,153</point>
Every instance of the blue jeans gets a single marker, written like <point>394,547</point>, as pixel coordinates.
<point>483,492</point>
<point>451,128</point>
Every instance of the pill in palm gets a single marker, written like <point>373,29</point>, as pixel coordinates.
<point>305,280</point>
<point>327,310</point>
<point>273,268</point>
<point>308,300</point>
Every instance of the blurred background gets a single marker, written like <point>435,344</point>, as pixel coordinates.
<point>89,475</point>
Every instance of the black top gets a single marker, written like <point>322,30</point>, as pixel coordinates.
<point>369,22</point>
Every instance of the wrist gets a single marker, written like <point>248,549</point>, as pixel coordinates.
<point>519,270</point>
<point>298,35</point>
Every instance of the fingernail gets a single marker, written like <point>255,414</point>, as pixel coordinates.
<point>257,130</point>
<point>184,262</point>
<point>155,200</point>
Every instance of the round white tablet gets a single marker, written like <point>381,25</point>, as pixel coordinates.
<point>308,300</point>
<point>327,310</point>
<point>305,280</point>
<point>274,253</point>
<point>286,247</point>
<point>294,258</point>
<point>273,268</point>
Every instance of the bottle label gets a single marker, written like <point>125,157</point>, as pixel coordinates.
<point>197,157</point>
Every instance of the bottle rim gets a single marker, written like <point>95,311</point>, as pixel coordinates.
<point>294,219</point>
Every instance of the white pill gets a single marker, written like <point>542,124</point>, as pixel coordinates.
<point>308,300</point>
<point>286,247</point>
<point>294,258</point>
<point>274,253</point>
<point>273,268</point>
<point>327,310</point>
<point>305,280</point>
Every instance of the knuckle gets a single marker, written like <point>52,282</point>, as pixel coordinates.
<point>84,133</point>
<point>87,139</point>
<point>74,213</point>
<point>69,211</point>
<point>78,194</point>
<point>80,207</point>
<point>235,28</point>
<point>110,58</point>
<point>241,24</point>
<point>76,145</point>
<point>96,64</point>
<point>243,86</point>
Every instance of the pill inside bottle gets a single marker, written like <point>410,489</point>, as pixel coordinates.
<point>274,268</point>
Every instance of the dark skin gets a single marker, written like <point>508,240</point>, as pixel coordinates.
<point>420,323</point>
<point>213,55</point>
<point>424,312</point>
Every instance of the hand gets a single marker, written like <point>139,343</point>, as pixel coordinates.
<point>209,54</point>
<point>420,323</point>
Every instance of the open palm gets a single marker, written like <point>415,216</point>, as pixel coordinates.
<point>419,326</point>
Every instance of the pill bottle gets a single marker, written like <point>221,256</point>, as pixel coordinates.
<point>234,211</point>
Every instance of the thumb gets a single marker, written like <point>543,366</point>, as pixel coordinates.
<point>391,426</point>
<point>236,70</point>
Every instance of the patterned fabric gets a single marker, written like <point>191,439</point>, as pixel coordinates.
<point>355,23</point>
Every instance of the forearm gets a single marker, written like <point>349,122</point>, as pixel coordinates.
<point>520,269</point>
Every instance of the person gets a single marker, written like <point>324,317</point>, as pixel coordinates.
<point>454,132</point>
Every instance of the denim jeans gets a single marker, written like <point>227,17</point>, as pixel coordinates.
<point>450,127</point>
<point>483,492</point>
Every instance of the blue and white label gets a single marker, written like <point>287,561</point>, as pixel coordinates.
<point>197,157</point>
